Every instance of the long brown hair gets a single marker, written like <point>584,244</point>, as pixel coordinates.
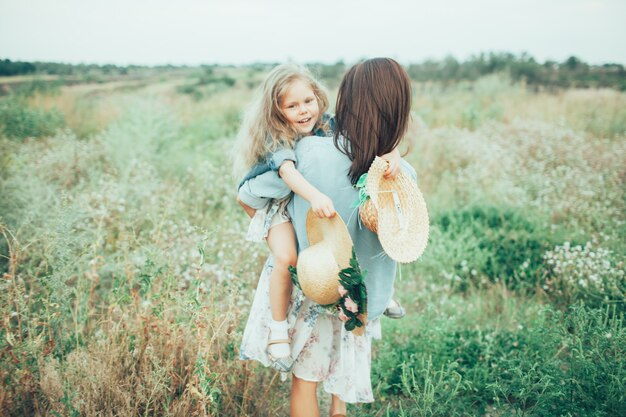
<point>372,112</point>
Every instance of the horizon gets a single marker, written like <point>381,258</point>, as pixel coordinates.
<point>269,63</point>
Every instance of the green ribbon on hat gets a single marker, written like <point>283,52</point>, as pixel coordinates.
<point>363,195</point>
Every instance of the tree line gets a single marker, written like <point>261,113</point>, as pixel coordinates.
<point>573,72</point>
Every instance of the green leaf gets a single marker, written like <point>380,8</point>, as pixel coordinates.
<point>294,276</point>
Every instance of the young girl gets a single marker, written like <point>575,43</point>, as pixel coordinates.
<point>290,104</point>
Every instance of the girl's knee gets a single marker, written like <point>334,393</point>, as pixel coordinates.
<point>285,259</point>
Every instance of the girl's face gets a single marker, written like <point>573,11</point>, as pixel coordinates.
<point>299,106</point>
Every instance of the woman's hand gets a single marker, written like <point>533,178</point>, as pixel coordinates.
<point>393,158</point>
<point>322,206</point>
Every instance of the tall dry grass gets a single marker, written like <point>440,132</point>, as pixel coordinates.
<point>126,281</point>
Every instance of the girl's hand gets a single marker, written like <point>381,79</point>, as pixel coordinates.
<point>322,206</point>
<point>393,158</point>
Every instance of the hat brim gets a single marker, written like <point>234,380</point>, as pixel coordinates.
<point>334,232</point>
<point>403,223</point>
<point>329,251</point>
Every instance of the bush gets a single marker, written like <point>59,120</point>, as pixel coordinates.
<point>36,86</point>
<point>557,364</point>
<point>584,273</point>
<point>18,121</point>
<point>207,83</point>
<point>499,244</point>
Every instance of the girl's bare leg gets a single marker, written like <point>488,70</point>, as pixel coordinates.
<point>303,398</point>
<point>282,242</point>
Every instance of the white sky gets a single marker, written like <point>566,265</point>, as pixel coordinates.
<point>244,31</point>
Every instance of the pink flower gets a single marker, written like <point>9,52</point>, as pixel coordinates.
<point>342,290</point>
<point>342,315</point>
<point>351,305</point>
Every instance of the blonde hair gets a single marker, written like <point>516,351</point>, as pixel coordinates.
<point>264,128</point>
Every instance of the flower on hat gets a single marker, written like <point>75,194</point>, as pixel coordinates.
<point>351,305</point>
<point>351,308</point>
<point>342,291</point>
<point>342,315</point>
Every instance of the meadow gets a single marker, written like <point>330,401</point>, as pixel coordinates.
<point>126,280</point>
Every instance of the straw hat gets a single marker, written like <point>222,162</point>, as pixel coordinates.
<point>329,252</point>
<point>397,212</point>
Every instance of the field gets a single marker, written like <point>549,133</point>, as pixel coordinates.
<point>126,281</point>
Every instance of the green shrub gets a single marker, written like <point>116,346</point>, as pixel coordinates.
<point>587,273</point>
<point>557,364</point>
<point>500,244</point>
<point>18,121</point>
<point>206,84</point>
<point>37,86</point>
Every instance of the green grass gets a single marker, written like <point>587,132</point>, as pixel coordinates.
<point>126,281</point>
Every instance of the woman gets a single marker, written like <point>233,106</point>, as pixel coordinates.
<point>372,114</point>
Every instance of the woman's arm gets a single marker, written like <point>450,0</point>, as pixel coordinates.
<point>321,205</point>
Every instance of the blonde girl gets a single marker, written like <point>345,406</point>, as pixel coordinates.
<point>290,104</point>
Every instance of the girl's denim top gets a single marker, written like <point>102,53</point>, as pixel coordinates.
<point>273,161</point>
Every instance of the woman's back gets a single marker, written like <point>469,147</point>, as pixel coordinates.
<point>326,168</point>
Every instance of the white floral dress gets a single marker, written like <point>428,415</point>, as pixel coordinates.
<point>322,349</point>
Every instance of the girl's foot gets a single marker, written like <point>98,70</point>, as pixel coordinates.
<point>278,347</point>
<point>394,310</point>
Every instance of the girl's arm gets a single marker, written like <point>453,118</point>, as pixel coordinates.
<point>257,191</point>
<point>321,205</point>
<point>393,158</point>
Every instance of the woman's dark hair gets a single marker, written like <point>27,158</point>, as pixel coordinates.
<point>372,112</point>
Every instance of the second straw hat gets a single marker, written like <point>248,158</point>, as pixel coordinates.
<point>397,212</point>
<point>329,252</point>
